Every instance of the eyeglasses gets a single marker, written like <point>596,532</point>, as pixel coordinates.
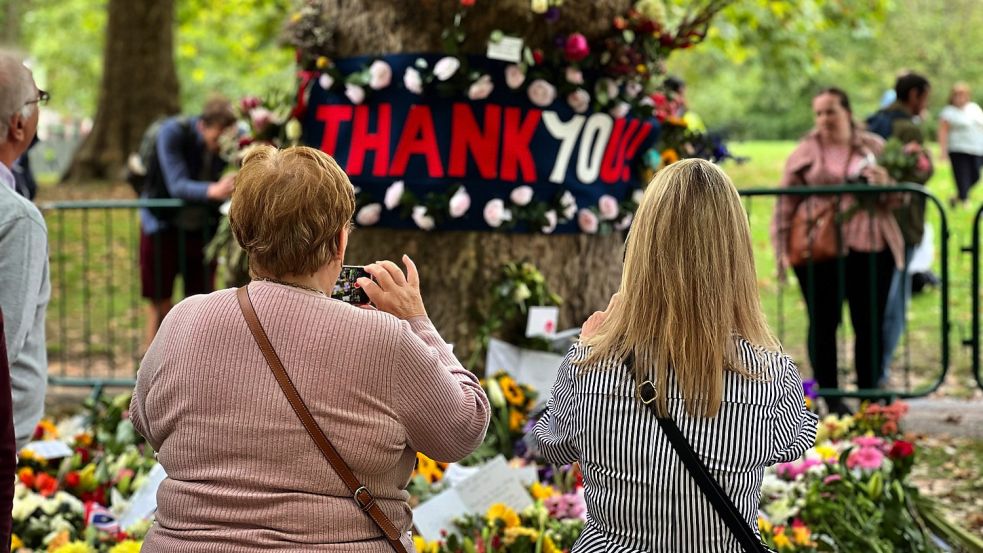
<point>42,100</point>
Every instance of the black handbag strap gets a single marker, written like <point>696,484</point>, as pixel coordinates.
<point>716,495</point>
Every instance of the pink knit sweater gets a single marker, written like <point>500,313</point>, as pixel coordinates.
<point>243,475</point>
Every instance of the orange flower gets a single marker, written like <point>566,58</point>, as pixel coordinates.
<point>47,485</point>
<point>26,476</point>
<point>670,156</point>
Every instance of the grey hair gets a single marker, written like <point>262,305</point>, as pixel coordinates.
<point>16,88</point>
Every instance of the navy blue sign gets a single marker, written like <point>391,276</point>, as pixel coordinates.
<point>466,153</point>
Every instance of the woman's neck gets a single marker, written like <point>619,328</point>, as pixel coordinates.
<point>837,138</point>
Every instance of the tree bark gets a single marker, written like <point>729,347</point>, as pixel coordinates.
<point>139,85</point>
<point>458,269</point>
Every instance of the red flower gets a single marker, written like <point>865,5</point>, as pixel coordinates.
<point>537,56</point>
<point>27,477</point>
<point>38,432</point>
<point>83,454</point>
<point>647,27</point>
<point>46,484</point>
<point>901,449</point>
<point>576,47</point>
<point>467,3</point>
<point>72,479</point>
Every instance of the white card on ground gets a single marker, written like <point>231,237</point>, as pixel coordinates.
<point>144,501</point>
<point>509,48</point>
<point>455,473</point>
<point>542,321</point>
<point>528,475</point>
<point>533,368</point>
<point>49,449</point>
<point>437,514</point>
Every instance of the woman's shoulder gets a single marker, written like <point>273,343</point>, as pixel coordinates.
<point>870,140</point>
<point>760,360</point>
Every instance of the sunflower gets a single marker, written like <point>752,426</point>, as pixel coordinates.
<point>516,420</point>
<point>512,391</point>
<point>428,468</point>
<point>549,546</point>
<point>539,491</point>
<point>514,533</point>
<point>501,511</point>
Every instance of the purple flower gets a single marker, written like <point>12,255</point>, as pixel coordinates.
<point>552,15</point>
<point>811,388</point>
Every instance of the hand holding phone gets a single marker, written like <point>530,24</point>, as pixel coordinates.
<point>345,288</point>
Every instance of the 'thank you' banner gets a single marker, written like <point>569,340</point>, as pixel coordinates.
<point>455,163</point>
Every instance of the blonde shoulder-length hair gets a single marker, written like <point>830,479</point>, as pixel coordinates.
<point>687,288</point>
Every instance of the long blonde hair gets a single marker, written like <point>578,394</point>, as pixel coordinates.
<point>688,286</point>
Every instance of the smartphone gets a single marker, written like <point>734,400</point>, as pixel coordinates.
<point>345,289</point>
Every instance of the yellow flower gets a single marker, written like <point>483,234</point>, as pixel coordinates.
<point>501,511</point>
<point>421,545</point>
<point>15,542</point>
<point>49,429</point>
<point>295,17</point>
<point>72,547</point>
<point>764,525</point>
<point>826,451</point>
<point>428,468</point>
<point>516,420</point>
<point>540,491</point>
<point>512,391</point>
<point>514,533</point>
<point>126,546</point>
<point>26,455</point>
<point>670,156</point>
<point>323,62</point>
<point>549,546</point>
<point>800,535</point>
<point>641,68</point>
<point>782,541</point>
<point>84,439</point>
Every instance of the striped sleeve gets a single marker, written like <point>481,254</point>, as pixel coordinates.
<point>555,430</point>
<point>795,425</point>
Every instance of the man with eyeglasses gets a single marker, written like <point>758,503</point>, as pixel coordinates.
<point>24,285</point>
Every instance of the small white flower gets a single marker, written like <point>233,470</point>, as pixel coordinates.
<point>608,206</point>
<point>575,76</point>
<point>551,222</point>
<point>393,194</point>
<point>637,196</point>
<point>480,89</point>
<point>459,203</point>
<point>541,93</point>
<point>579,100</point>
<point>514,77</point>
<point>412,80</point>
<point>421,218</point>
<point>446,67</point>
<point>625,221</point>
<point>369,215</point>
<point>355,93</point>
<point>633,89</point>
<point>380,75</point>
<point>521,195</point>
<point>569,204</point>
<point>620,110</point>
<point>326,81</point>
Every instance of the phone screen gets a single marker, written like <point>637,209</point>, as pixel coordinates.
<point>345,289</point>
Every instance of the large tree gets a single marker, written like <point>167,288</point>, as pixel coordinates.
<point>139,84</point>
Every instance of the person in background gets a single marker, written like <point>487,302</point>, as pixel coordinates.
<point>24,285</point>
<point>836,151</point>
<point>26,185</point>
<point>188,166</point>
<point>961,139</point>
<point>902,120</point>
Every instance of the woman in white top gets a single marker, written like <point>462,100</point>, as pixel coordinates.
<point>688,318</point>
<point>961,136</point>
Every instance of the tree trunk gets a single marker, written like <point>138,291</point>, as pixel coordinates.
<point>10,24</point>
<point>139,85</point>
<point>458,269</point>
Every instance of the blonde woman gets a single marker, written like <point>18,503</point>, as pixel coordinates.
<point>687,318</point>
<point>961,138</point>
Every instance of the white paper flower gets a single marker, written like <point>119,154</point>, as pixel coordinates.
<point>608,206</point>
<point>633,89</point>
<point>551,222</point>
<point>421,218</point>
<point>587,221</point>
<point>539,6</point>
<point>574,76</point>
<point>393,194</point>
<point>380,75</point>
<point>495,213</point>
<point>637,196</point>
<point>412,80</point>
<point>579,100</point>
<point>459,203</point>
<point>326,81</point>
<point>625,221</point>
<point>514,77</point>
<point>569,204</point>
<point>355,93</point>
<point>369,215</point>
<point>541,93</point>
<point>620,110</point>
<point>480,89</point>
<point>446,67</point>
<point>521,195</point>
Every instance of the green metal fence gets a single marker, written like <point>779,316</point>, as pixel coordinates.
<point>96,316</point>
<point>974,340</point>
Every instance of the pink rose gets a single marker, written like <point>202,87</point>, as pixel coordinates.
<point>355,93</point>
<point>394,194</point>
<point>588,221</point>
<point>541,93</point>
<point>912,148</point>
<point>551,221</point>
<point>260,117</point>
<point>326,81</point>
<point>576,47</point>
<point>446,67</point>
<point>923,165</point>
<point>460,203</point>
<point>608,206</point>
<point>620,110</point>
<point>869,441</point>
<point>495,213</point>
<point>574,76</point>
<point>380,75</point>
<point>480,89</point>
<point>514,77</point>
<point>579,100</point>
<point>865,458</point>
<point>421,218</point>
<point>412,80</point>
<point>521,195</point>
<point>569,204</point>
<point>369,215</point>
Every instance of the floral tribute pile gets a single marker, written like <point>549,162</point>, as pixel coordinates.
<point>848,493</point>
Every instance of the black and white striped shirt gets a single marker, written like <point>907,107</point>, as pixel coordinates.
<point>639,495</point>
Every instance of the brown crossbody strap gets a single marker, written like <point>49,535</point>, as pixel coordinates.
<point>359,492</point>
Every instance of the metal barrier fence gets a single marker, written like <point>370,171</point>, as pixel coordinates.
<point>96,316</point>
<point>974,340</point>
